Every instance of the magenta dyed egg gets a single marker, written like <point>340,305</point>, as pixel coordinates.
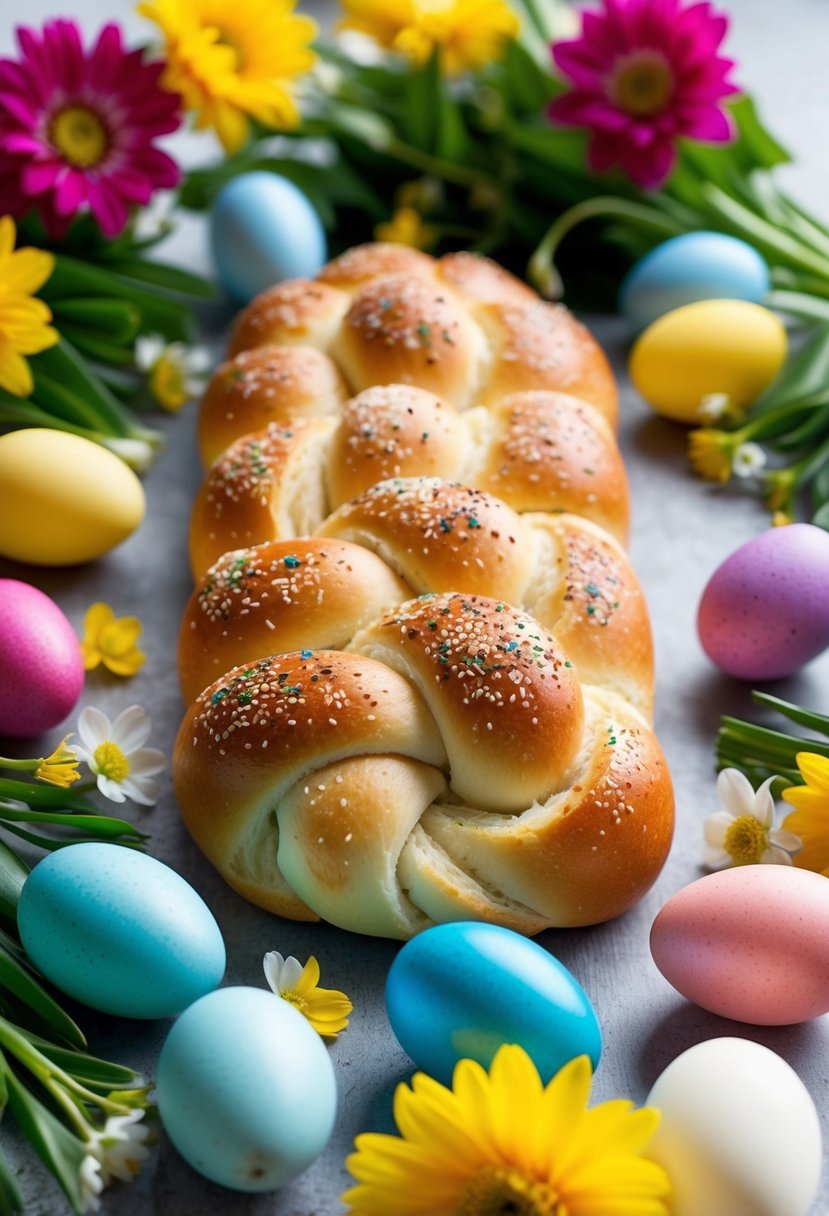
<point>765,610</point>
<point>750,943</point>
<point>41,667</point>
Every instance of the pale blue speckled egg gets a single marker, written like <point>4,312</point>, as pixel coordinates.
<point>696,266</point>
<point>246,1089</point>
<point>462,990</point>
<point>119,931</point>
<point>263,229</point>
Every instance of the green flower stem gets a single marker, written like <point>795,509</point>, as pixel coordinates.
<point>798,304</point>
<point>771,240</point>
<point>25,766</point>
<point>540,268</point>
<point>810,718</point>
<point>436,166</point>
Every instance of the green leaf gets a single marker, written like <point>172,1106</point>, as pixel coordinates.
<point>421,105</point>
<point>117,320</point>
<point>755,142</point>
<point>526,87</point>
<point>89,1070</point>
<point>11,1201</point>
<point>18,980</point>
<point>55,397</point>
<point>805,374</point>
<point>13,874</point>
<point>60,1151</point>
<point>796,713</point>
<point>63,364</point>
<point>35,794</point>
<point>105,825</point>
<point>169,278</point>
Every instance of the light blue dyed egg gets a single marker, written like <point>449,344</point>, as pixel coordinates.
<point>119,931</point>
<point>462,990</point>
<point>696,266</point>
<point>246,1089</point>
<point>263,229</point>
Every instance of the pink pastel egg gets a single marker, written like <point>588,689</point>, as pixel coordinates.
<point>765,610</point>
<point>41,667</point>
<point>750,943</point>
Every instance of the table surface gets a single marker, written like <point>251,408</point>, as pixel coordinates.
<point>682,529</point>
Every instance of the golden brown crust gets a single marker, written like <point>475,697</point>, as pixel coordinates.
<point>279,596</point>
<point>298,312</point>
<point>479,280</point>
<point>365,262</point>
<point>262,385</point>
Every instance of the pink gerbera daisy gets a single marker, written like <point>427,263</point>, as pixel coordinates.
<point>77,128</point>
<point>645,73</point>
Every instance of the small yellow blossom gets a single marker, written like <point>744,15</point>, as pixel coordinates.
<point>810,818</point>
<point>325,1008</point>
<point>780,519</point>
<point>24,328</point>
<point>468,33</point>
<point>711,454</point>
<point>406,227</point>
<point>111,640</point>
<point>234,59</point>
<point>175,372</point>
<point>61,767</point>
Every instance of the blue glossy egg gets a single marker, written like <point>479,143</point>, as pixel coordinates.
<point>461,990</point>
<point>119,931</point>
<point>246,1089</point>
<point>263,229</point>
<point>696,266</point>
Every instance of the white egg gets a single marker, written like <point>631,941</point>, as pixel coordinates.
<point>739,1135</point>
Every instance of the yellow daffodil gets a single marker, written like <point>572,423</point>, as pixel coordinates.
<point>502,1142</point>
<point>326,1009</point>
<point>175,372</point>
<point>234,59</point>
<point>406,227</point>
<point>24,321</point>
<point>711,454</point>
<point>810,818</point>
<point>111,640</point>
<point>61,767</point>
<point>468,33</point>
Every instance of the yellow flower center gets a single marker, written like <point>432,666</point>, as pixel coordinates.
<point>79,135</point>
<point>298,1002</point>
<point>746,841</point>
<point>167,383</point>
<point>110,761</point>
<point>641,83</point>
<point>501,1191</point>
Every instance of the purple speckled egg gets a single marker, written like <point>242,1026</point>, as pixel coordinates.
<point>41,667</point>
<point>765,610</point>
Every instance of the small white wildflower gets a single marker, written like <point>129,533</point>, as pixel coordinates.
<point>713,407</point>
<point>743,832</point>
<point>749,459</point>
<point>115,753</point>
<point>120,1147</point>
<point>91,1183</point>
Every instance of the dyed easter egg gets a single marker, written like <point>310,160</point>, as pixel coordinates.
<point>695,266</point>
<point>765,610</point>
<point>41,666</point>
<point>460,990</point>
<point>263,229</point>
<point>64,499</point>
<point>246,1089</point>
<point>713,346</point>
<point>750,943</point>
<point>119,931</point>
<point>739,1133</point>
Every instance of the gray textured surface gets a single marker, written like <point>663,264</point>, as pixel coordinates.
<point>682,530</point>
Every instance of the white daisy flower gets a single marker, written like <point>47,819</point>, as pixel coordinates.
<point>91,1183</point>
<point>175,372</point>
<point>713,407</point>
<point>749,459</point>
<point>743,832</point>
<point>115,753</point>
<point>120,1147</point>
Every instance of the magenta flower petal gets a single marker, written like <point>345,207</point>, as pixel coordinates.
<point>645,73</point>
<point>78,127</point>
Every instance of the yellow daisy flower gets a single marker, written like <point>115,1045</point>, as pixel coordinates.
<point>326,1009</point>
<point>406,227</point>
<point>502,1142</point>
<point>711,454</point>
<point>469,33</point>
<point>24,321</point>
<point>111,640</point>
<point>61,767</point>
<point>231,59</point>
<point>810,818</point>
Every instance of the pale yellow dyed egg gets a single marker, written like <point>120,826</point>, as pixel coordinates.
<point>63,499</point>
<point>713,346</point>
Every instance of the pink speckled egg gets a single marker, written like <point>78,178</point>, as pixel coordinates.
<point>750,943</point>
<point>765,611</point>
<point>41,667</point>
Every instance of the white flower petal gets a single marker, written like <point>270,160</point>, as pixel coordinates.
<point>147,763</point>
<point>91,1183</point>
<point>715,859</point>
<point>272,964</point>
<point>110,789</point>
<point>776,857</point>
<point>131,729</point>
<point>785,840</point>
<point>148,350</point>
<point>764,803</point>
<point>93,727</point>
<point>198,360</point>
<point>735,792</point>
<point>716,827</point>
<point>143,790</point>
<point>291,974</point>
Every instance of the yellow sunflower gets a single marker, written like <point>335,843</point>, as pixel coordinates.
<point>810,818</point>
<point>231,59</point>
<point>24,321</point>
<point>501,1142</point>
<point>469,33</point>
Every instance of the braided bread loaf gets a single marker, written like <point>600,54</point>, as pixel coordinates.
<point>449,765</point>
<point>460,327</point>
<point>538,451</point>
<point>412,536</point>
